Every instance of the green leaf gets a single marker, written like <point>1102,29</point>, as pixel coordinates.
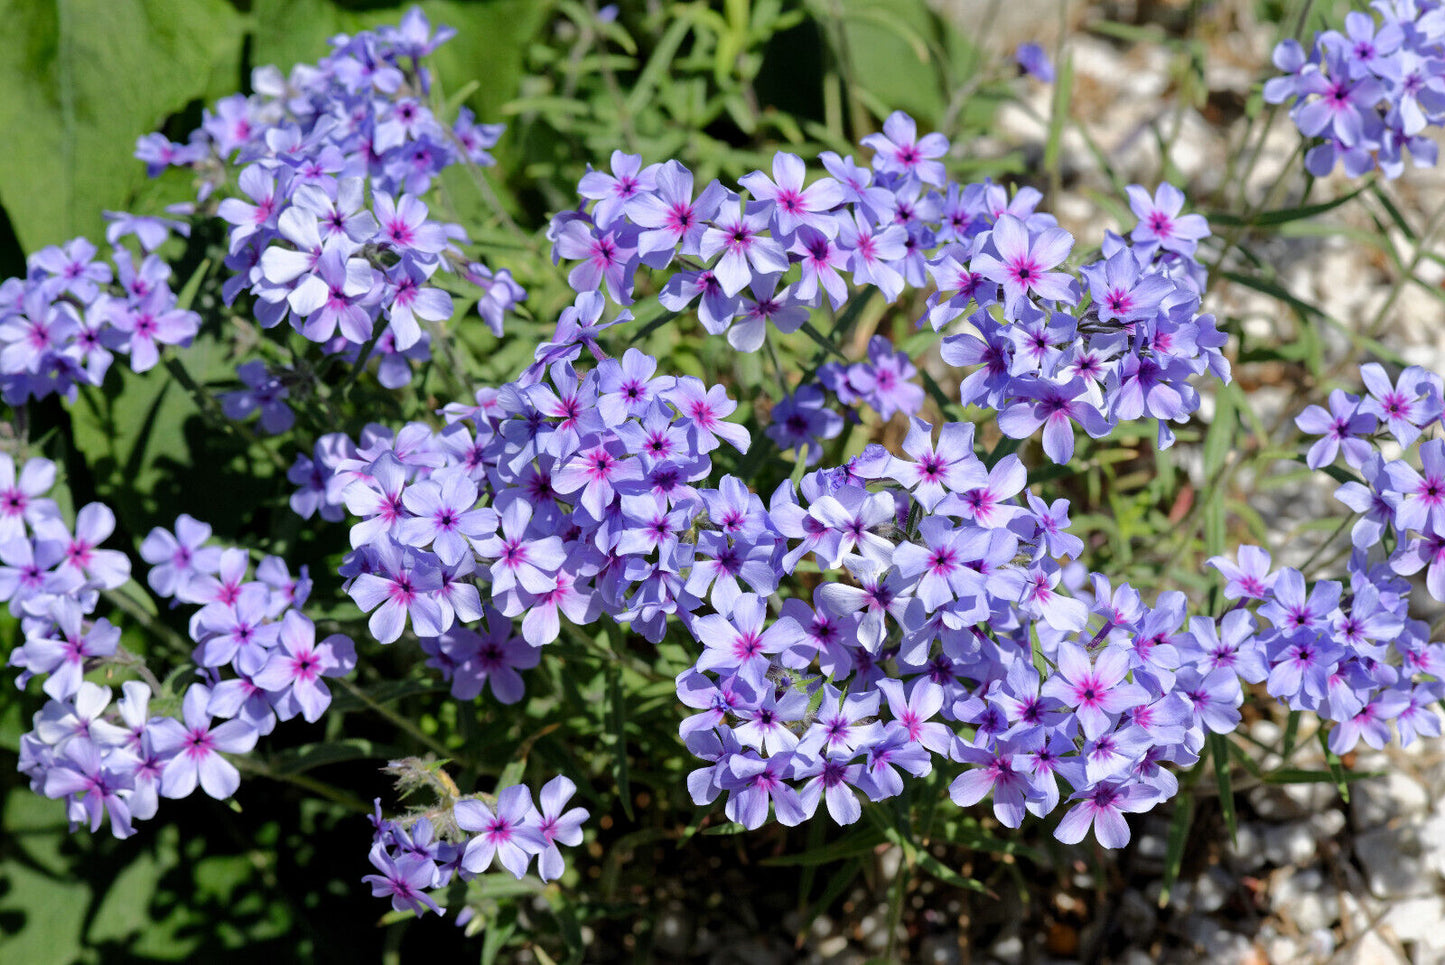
<point>1219,751</point>
<point>80,82</point>
<point>296,760</point>
<point>1174,848</point>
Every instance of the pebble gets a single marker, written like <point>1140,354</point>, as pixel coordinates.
<point>1379,801</point>
<point>1392,862</point>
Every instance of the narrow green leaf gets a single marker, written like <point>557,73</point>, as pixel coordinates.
<point>1219,751</point>
<point>1179,826</point>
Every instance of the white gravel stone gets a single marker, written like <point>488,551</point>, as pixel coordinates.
<point>1372,949</point>
<point>1380,800</point>
<point>1392,863</point>
<point>1289,844</point>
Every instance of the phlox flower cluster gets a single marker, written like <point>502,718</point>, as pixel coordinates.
<point>1114,341</point>
<point>1367,93</point>
<point>467,838</point>
<point>329,231</point>
<point>61,325</point>
<point>256,654</point>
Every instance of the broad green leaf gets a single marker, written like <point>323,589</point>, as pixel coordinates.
<point>80,82</point>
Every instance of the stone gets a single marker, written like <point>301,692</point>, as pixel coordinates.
<point>1392,863</point>
<point>1380,800</point>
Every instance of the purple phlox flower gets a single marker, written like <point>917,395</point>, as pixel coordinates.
<point>1419,719</point>
<point>445,516</point>
<point>852,516</point>
<point>1001,771</point>
<point>614,192</point>
<point>913,710</point>
<point>802,421</point>
<point>993,351</point>
<point>882,592</point>
<point>1096,692</point>
<point>96,779</point>
<point>1232,646</point>
<point>597,470</point>
<point>522,559</point>
<point>403,227</point>
<point>491,659</point>
<point>856,181</point>
<point>895,749</point>
<point>1121,290</point>
<point>1033,61</point>
<point>990,505</point>
<point>79,716</point>
<point>377,495</point>
<point>673,219</point>
<point>831,778</point>
<point>62,651</point>
<point>705,411</point>
<point>1361,45</point>
<point>739,643</point>
<point>949,465</point>
<point>404,879</point>
<point>1021,264</point>
<point>1289,56</point>
<point>820,260</point>
<point>628,388</point>
<point>782,309</point>
<point>768,723</point>
<point>568,595</point>
<point>410,298</point>
<point>716,309</point>
<point>1415,89</point>
<point>882,381</point>
<point>71,268</point>
<point>152,322</point>
<point>843,723</point>
<point>340,214</point>
<point>1289,609</point>
<point>740,237</point>
<point>265,393</point>
<point>510,834</point>
<point>871,252</point>
<point>793,206</point>
<point>1417,553</point>
<point>1160,221</point>
<point>239,631</point>
<point>1371,724</point>
<point>23,500</point>
<point>1405,407</point>
<point>500,293</point>
<point>557,826</point>
<point>1369,625</point>
<point>1339,110</point>
<point>754,782</point>
<point>1344,426</point>
<point>942,564</point>
<point>1051,522</point>
<point>737,510</point>
<point>197,747</point>
<point>1375,500</point>
<point>300,662</point>
<point>1214,695</point>
<point>1056,407</point>
<point>719,562</point>
<point>249,219</point>
<point>1250,578</point>
<point>605,257</point>
<point>177,559</point>
<point>340,292</point>
<point>1302,663</point>
<point>29,580</point>
<point>899,150</point>
<point>404,584</point>
<point>1102,806</point>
